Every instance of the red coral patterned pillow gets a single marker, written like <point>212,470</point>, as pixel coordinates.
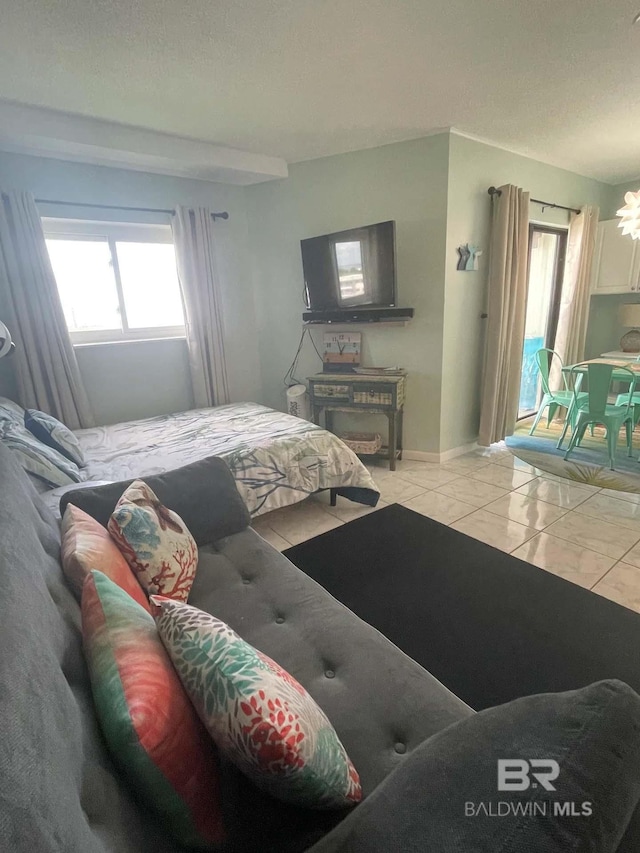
<point>259,716</point>
<point>155,542</point>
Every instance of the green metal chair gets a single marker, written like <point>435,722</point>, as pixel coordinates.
<point>554,399</point>
<point>596,409</point>
<point>635,402</point>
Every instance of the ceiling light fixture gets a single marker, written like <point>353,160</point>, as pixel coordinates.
<point>630,215</point>
<point>636,20</point>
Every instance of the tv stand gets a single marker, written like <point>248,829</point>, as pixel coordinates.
<point>358,315</point>
<point>353,392</point>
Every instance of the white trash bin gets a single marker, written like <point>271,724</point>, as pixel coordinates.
<point>298,402</point>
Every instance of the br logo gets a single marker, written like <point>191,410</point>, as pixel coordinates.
<point>516,774</point>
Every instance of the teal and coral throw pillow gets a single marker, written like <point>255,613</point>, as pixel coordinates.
<point>54,433</point>
<point>148,721</point>
<point>259,716</point>
<point>155,542</point>
<point>86,545</point>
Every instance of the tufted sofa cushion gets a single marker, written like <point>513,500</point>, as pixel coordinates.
<point>203,493</point>
<point>381,702</point>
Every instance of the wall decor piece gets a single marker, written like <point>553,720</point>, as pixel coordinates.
<point>341,351</point>
<point>468,257</point>
<point>464,254</point>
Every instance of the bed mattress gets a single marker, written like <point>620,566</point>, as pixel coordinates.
<point>276,459</point>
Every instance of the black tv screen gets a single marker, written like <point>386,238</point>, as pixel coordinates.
<point>349,268</point>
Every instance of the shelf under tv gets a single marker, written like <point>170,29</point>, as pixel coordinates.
<point>358,315</point>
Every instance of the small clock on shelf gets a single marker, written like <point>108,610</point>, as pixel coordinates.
<point>341,353</point>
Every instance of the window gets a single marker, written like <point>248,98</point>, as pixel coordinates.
<point>547,250</point>
<point>117,282</point>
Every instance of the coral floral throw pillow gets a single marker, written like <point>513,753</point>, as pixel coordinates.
<point>259,716</point>
<point>155,542</point>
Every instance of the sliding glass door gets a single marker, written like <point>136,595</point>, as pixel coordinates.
<point>547,250</point>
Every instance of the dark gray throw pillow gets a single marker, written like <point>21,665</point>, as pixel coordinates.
<point>203,493</point>
<point>55,434</point>
<point>446,796</point>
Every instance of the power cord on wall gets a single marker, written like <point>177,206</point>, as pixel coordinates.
<point>289,377</point>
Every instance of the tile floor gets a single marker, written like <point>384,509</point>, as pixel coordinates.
<point>587,535</point>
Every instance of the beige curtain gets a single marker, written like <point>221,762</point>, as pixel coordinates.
<point>507,303</point>
<point>46,368</point>
<point>576,289</point>
<point>195,251</point>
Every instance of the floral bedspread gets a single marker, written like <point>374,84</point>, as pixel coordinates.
<point>276,459</point>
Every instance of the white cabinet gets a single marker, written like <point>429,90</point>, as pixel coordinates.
<point>616,260</point>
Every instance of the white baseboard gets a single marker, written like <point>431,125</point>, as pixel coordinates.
<point>420,456</point>
<point>445,456</point>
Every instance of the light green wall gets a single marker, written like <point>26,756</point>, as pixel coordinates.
<point>435,189</point>
<point>473,167</point>
<point>406,182</point>
<point>616,197</point>
<point>145,378</point>
<point>604,331</point>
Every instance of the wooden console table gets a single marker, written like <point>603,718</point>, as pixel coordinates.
<point>355,392</point>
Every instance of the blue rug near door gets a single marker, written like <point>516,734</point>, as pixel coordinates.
<point>587,464</point>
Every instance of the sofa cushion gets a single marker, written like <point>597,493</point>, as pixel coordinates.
<point>58,787</point>
<point>258,714</point>
<point>86,545</point>
<point>155,542</point>
<point>447,796</point>
<point>204,495</point>
<point>149,723</point>
<point>354,673</point>
<point>54,433</point>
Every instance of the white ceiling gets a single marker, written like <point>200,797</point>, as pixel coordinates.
<point>554,79</point>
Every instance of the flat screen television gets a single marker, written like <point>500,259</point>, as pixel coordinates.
<point>351,268</point>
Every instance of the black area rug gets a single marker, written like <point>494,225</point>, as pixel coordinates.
<point>489,626</point>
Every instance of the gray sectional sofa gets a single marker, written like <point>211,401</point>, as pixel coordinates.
<point>59,791</point>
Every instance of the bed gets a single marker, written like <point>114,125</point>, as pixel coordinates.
<point>276,459</point>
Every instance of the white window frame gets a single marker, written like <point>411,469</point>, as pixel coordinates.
<point>110,232</point>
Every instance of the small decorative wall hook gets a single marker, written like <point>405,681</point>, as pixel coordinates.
<point>474,254</point>
<point>464,253</point>
<point>468,257</point>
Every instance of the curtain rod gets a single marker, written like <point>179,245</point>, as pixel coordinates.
<point>493,191</point>
<point>169,212</point>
